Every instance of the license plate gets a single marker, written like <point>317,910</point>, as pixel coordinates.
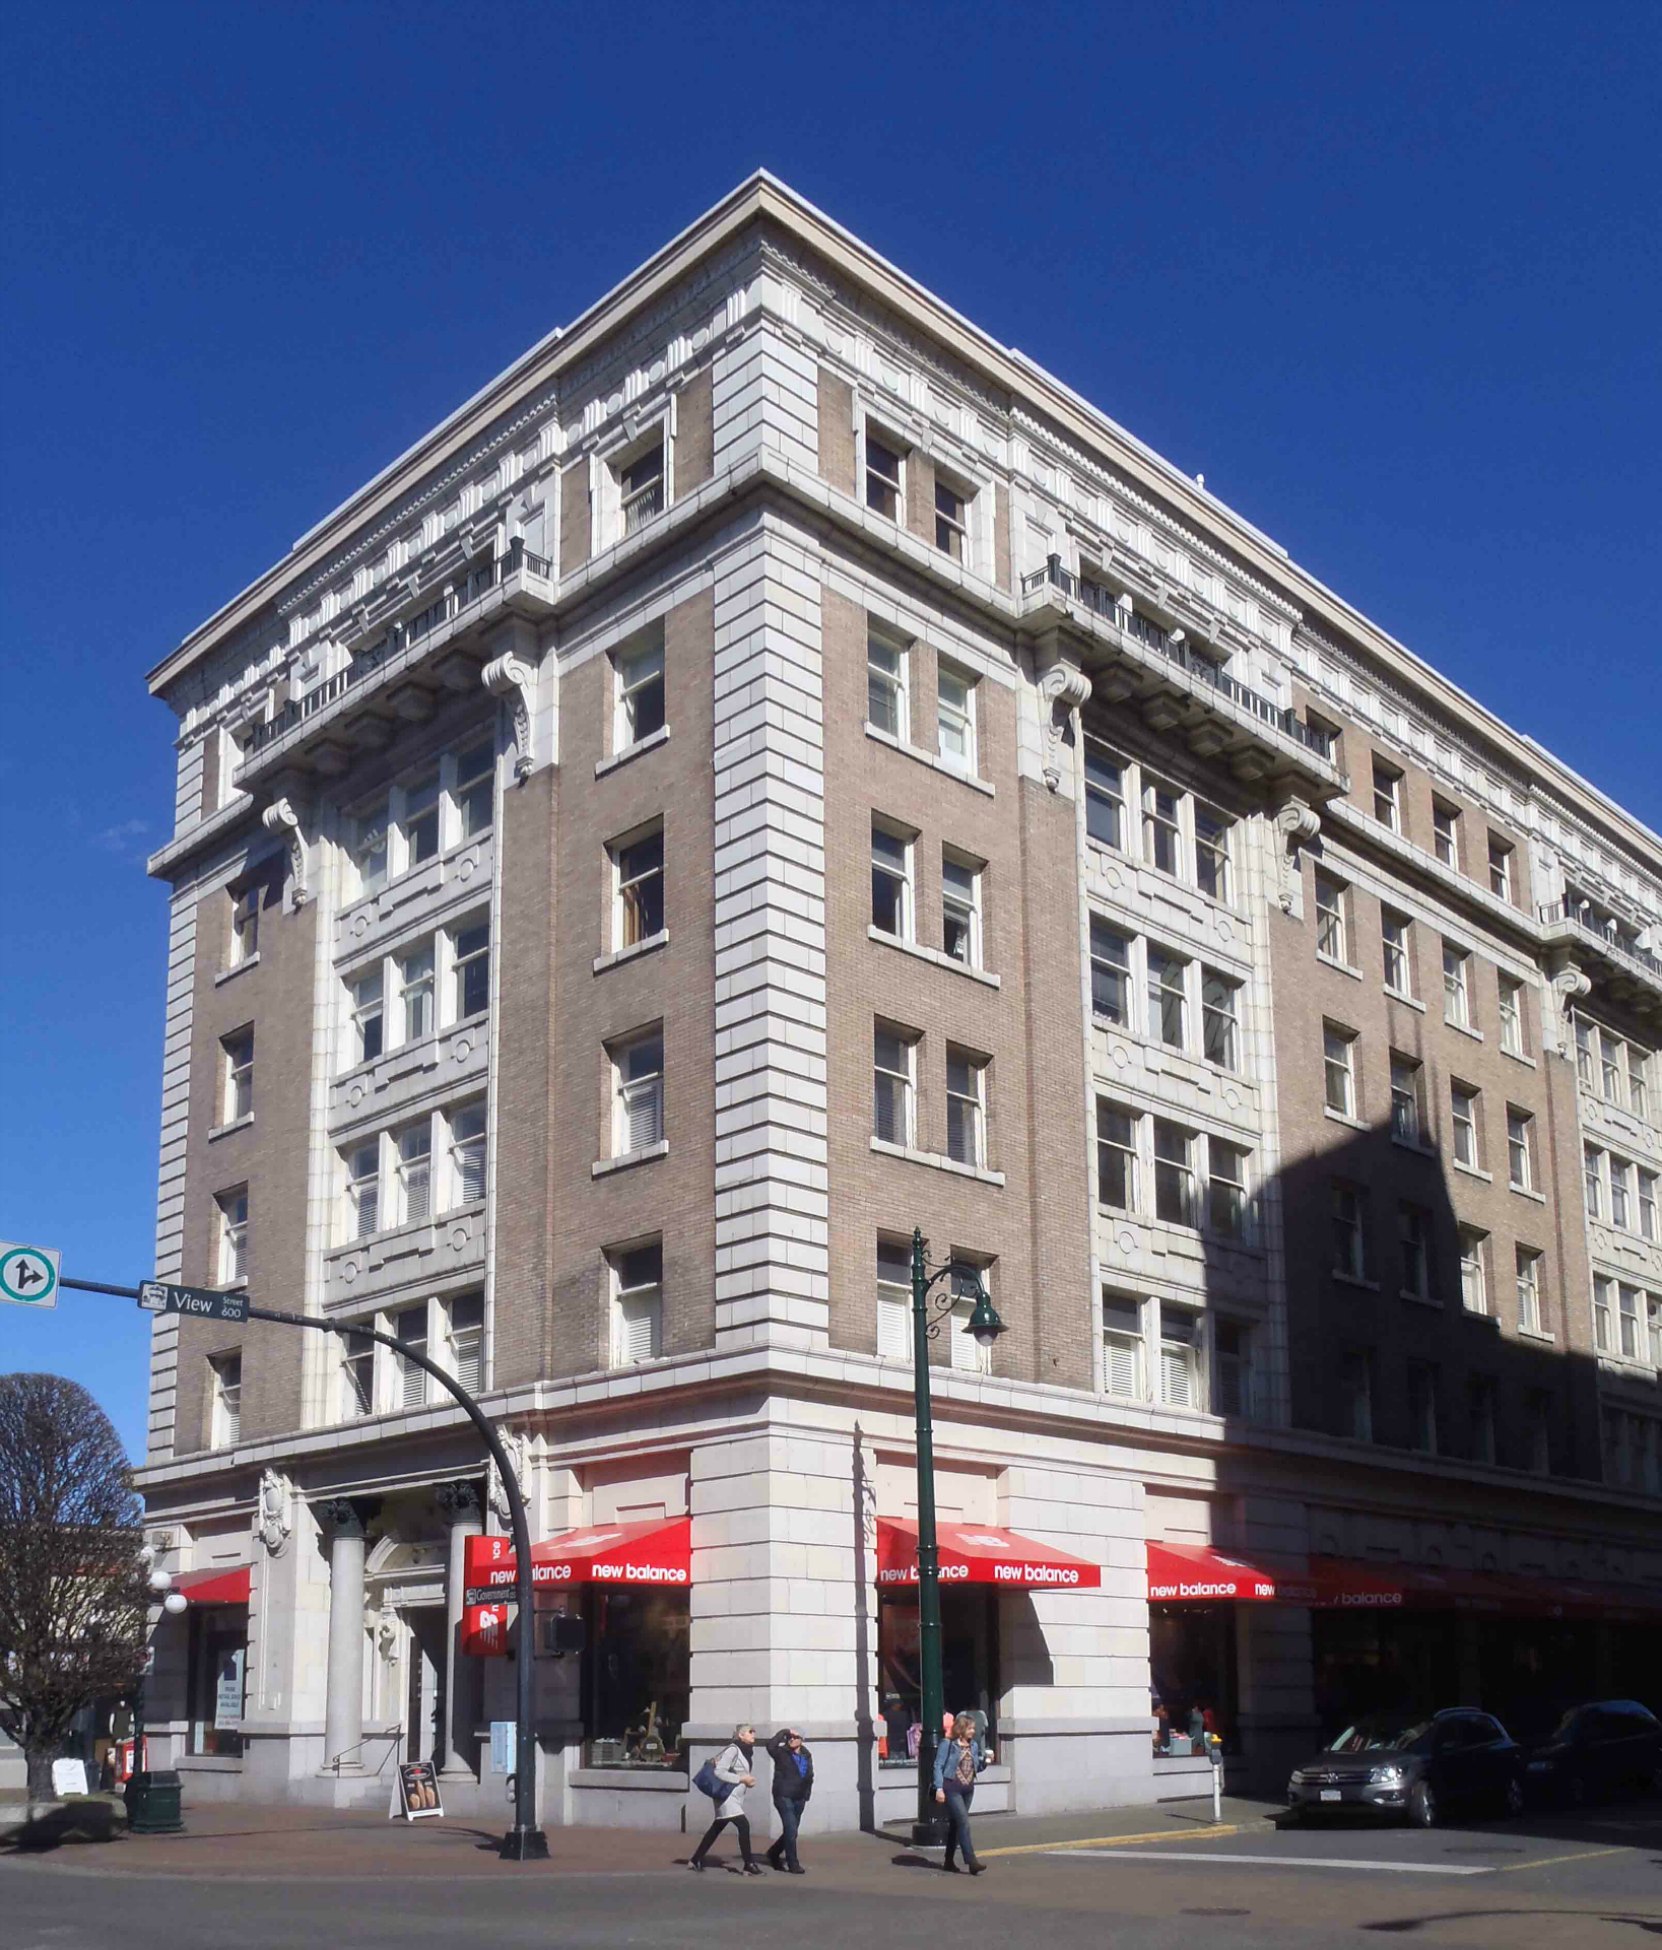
<point>1331,1794</point>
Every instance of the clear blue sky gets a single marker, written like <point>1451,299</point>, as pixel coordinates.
<point>1387,275</point>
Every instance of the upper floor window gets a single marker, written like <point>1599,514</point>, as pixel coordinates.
<point>409,1325</point>
<point>476,790</point>
<point>1110,973</point>
<point>1500,868</point>
<point>419,823</point>
<point>1511,1016</point>
<point>1234,1369</point>
<point>232,1253</point>
<point>1162,833</point>
<point>894,1300</point>
<point>1474,1295</point>
<point>1529,1290</point>
<point>1396,942</point>
<point>640,483</point>
<point>1179,1356</point>
<point>638,888</point>
<point>225,1423</point>
<point>465,1332</point>
<point>245,926</point>
<point>415,992</point>
<point>1226,1189</point>
<point>1332,929</point>
<point>955,717</point>
<point>369,846</point>
<point>638,702</point>
<point>1174,1174</point>
<point>1122,1345</point>
<point>1422,1407</point>
<point>451,799</point>
<point>1414,1240</point>
<point>966,1107</point>
<point>951,520</point>
<point>886,685</point>
<point>893,1070</point>
<point>238,1052</point>
<point>891,880</point>
<point>413,1172</point>
<point>1356,1395</point>
<point>1647,1207</point>
<point>1387,795</point>
<point>1167,1003</point>
<point>637,1092</point>
<point>1104,798</point>
<point>1212,864</point>
<point>471,969</point>
<point>961,908</point>
<point>363,1189</point>
<point>637,1309</point>
<point>1348,1212</point>
<point>1445,832</point>
<point>1480,1416</point>
<point>1116,1157</point>
<point>1220,1025</point>
<point>1339,1068</point>
<point>883,478</point>
<point>1520,1149</point>
<point>1463,1101</point>
<point>1457,1007</point>
<point>467,1153</point>
<point>357,1378</point>
<point>1407,1103</point>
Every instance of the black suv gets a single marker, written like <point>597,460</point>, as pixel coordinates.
<point>1612,1746</point>
<point>1411,1768</point>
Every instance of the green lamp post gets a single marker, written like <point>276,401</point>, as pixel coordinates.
<point>928,1316</point>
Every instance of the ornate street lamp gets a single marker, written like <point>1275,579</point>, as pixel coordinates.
<point>152,1799</point>
<point>928,1317</point>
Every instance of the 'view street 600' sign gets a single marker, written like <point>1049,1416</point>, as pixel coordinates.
<point>204,1302</point>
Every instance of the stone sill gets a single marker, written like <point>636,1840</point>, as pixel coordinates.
<point>1518,1056</point>
<point>1528,1191</point>
<point>1420,1299</point>
<point>242,967</point>
<point>1473,1171</point>
<point>632,953</point>
<point>1407,1001</point>
<point>935,956</point>
<point>1357,1280</point>
<point>1340,1117</point>
<point>225,1130</point>
<point>1464,1029</point>
<point>1415,1145</point>
<point>1341,967</point>
<point>639,749</point>
<point>604,1167</point>
<point>935,764</point>
<point>936,1162</point>
<point>1537,1334</point>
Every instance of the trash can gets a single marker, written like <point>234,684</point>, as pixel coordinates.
<point>153,1804</point>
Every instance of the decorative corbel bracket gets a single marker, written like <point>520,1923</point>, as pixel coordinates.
<point>1299,825</point>
<point>282,817</point>
<point>1065,689</point>
<point>518,1448</point>
<point>1569,984</point>
<point>511,677</point>
<point>274,1512</point>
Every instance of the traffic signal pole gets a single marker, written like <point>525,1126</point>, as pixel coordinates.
<point>525,1841</point>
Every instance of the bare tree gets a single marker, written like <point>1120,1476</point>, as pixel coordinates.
<point>73,1592</point>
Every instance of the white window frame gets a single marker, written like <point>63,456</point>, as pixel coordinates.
<point>1621,1193</point>
<point>1105,941</point>
<point>1180,1356</point>
<point>1387,794</point>
<point>628,922</point>
<point>356,1403</point>
<point>1356,1366</point>
<point>1422,1413</point>
<point>1500,869</point>
<point>1339,1062</point>
<point>412,1170</point>
<point>894,1300</point>
<point>966,1102</point>
<point>1167,992</point>
<point>362,1206</point>
<point>889,688</point>
<point>1124,1341</point>
<point>411,1324</point>
<point>1222,1159</point>
<point>1332,918</point>
<point>1129,1151</point>
<point>1350,1226</point>
<point>638,676</point>
<point>1474,1276</point>
<point>238,1050</point>
<point>956,526</point>
<point>225,1423</point>
<point>961,906</point>
<point>364,1009</point>
<point>417,992</point>
<point>1457,986</point>
<point>1216,849</point>
<point>900,875</point>
<point>1520,1148</point>
<point>231,1252</point>
<point>1407,1100</point>
<point>639,502</point>
<point>955,720</point>
<point>1513,1037</point>
<point>1415,1249</point>
<point>371,845</point>
<point>463,960</point>
<point>896,1080</point>
<point>635,1308</point>
<point>1445,833</point>
<point>473,790</point>
<point>1100,794</point>
<point>1527,1282</point>
<point>1397,952</point>
<point>892,489</point>
<point>420,810</point>
<point>465,1135</point>
<point>244,941</point>
<point>1242,1364</point>
<point>1161,830</point>
<point>637,1090</point>
<point>1223,1016</point>
<point>1177,1170</point>
<point>1468,1140</point>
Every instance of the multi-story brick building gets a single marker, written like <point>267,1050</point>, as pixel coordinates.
<point>772,770</point>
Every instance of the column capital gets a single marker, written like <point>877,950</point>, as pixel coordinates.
<point>459,1502</point>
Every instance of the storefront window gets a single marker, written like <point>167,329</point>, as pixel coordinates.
<point>969,1664</point>
<point>218,1658</point>
<point>636,1676</point>
<point>1382,1662</point>
<point>1192,1689</point>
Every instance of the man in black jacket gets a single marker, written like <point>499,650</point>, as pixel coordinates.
<point>793,1782</point>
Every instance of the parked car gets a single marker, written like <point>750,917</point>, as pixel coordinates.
<point>1611,1746</point>
<point>1412,1768</point>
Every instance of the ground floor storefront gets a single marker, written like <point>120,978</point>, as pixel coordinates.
<point>1107,1609</point>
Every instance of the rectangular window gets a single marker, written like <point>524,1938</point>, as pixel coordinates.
<point>368,1020</point>
<point>640,695</point>
<point>1511,1016</point>
<point>1212,864</point>
<point>1474,1285</point>
<point>1647,1206</point>
<point>1414,1244</point>
<point>409,1325</point>
<point>1387,795</point>
<point>966,1088</point>
<point>1638,1084</point>
<point>1529,1290</point>
<point>1457,987</point>
<point>1621,1193</point>
<point>1116,1157</point>
<point>1520,1149</point>
<point>415,1172</point>
<point>1604,1291</point>
<point>1584,1052</point>
<point>1104,798</point>
<point>1234,1383</point>
<point>1407,1122</point>
<point>1162,835</point>
<point>1610,1067</point>
<point>1463,1099</point>
<point>465,1326</point>
<point>1538,1431</point>
<point>639,868</point>
<point>420,823</point>
<point>951,520</point>
<point>1167,999</point>
<point>964,1351</point>
<point>1122,1346</point>
<point>1445,833</point>
<point>1330,917</point>
<point>641,487</point>
<point>1220,1019</point>
<point>637,1275</point>
<point>1226,1189</point>
<point>1422,1407</point>
<point>1480,1416</point>
<point>1396,938</point>
<point>894,1300</point>
<point>476,790</point>
<point>1500,869</point>
<point>233,1235</point>
<point>891,881</point>
<point>955,717</point>
<point>363,1189</point>
<point>472,970</point>
<point>1174,1174</point>
<point>1631,1302</point>
<point>1179,1356</point>
<point>415,992</point>
<point>357,1378</point>
<point>245,927</point>
<point>886,685</point>
<point>467,1154</point>
<point>637,1093</point>
<point>1348,1209</point>
<point>882,478</point>
<point>238,1100</point>
<point>369,847</point>
<point>226,1370</point>
<point>893,1058</point>
<point>961,908</point>
<point>1339,1068</point>
<point>1356,1382</point>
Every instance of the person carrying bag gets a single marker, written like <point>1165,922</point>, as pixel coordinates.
<point>725,1779</point>
<point>793,1782</point>
<point>958,1761</point>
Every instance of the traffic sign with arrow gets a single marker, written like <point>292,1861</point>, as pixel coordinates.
<point>29,1275</point>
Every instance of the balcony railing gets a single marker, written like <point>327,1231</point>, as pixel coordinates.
<point>1603,934</point>
<point>1097,599</point>
<point>400,634</point>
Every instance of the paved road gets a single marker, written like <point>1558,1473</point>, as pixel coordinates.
<point>1543,1883</point>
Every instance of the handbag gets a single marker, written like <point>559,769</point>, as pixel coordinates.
<point>709,1782</point>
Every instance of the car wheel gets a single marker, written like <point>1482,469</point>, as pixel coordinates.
<point>1514,1796</point>
<point>1423,1810</point>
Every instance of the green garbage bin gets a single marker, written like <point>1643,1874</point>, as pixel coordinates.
<point>153,1804</point>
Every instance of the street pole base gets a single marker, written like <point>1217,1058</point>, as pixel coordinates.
<point>524,1845</point>
<point>931,1832</point>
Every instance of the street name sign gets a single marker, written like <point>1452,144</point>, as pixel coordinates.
<point>205,1303</point>
<point>29,1275</point>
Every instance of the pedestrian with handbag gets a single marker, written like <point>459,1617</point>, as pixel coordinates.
<point>793,1783</point>
<point>958,1762</point>
<point>725,1779</point>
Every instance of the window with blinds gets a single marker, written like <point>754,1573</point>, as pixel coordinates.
<point>1179,1357</point>
<point>894,1300</point>
<point>1122,1346</point>
<point>467,1154</point>
<point>637,1304</point>
<point>410,1326</point>
<point>467,1340</point>
<point>638,1084</point>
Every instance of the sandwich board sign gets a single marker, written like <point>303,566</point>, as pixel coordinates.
<point>418,1790</point>
<point>29,1274</point>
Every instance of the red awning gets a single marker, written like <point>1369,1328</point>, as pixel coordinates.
<point>658,1552</point>
<point>226,1587</point>
<point>981,1553</point>
<point>1195,1574</point>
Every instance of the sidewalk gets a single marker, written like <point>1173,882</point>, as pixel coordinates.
<point>233,1842</point>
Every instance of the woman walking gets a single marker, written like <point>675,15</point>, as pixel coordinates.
<point>732,1765</point>
<point>957,1763</point>
<point>793,1782</point>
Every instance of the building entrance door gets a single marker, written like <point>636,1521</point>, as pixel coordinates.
<point>424,1703</point>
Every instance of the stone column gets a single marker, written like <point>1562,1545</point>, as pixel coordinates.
<point>459,1506</point>
<point>343,1717</point>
